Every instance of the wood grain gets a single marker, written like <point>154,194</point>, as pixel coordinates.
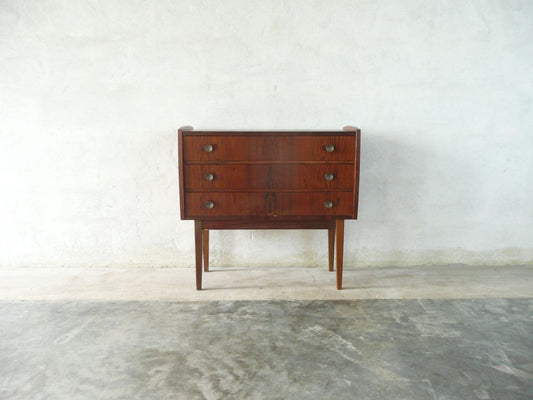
<point>268,176</point>
<point>269,180</point>
<point>268,148</point>
<point>273,204</point>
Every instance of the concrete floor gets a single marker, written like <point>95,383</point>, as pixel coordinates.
<point>363,349</point>
<point>437,333</point>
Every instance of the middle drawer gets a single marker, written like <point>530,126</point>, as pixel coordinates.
<point>268,176</point>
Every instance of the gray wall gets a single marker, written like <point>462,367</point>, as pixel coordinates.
<point>92,93</point>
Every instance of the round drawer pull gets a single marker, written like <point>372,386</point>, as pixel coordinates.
<point>209,204</point>
<point>329,176</point>
<point>209,176</point>
<point>330,148</point>
<point>328,204</point>
<point>208,148</point>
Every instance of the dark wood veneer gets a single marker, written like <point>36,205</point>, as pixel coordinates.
<point>265,176</point>
<point>273,204</point>
<point>269,180</point>
<point>280,147</point>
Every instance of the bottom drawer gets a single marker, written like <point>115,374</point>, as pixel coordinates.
<point>269,204</point>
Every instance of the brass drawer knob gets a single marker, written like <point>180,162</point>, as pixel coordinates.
<point>209,176</point>
<point>328,204</point>
<point>330,148</point>
<point>208,148</point>
<point>329,176</point>
<point>209,204</point>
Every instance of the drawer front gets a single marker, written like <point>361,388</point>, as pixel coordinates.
<point>268,176</point>
<point>255,148</point>
<point>268,204</point>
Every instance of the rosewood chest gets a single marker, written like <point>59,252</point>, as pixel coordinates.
<point>269,180</point>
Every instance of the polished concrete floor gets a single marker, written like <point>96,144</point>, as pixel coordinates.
<point>362,349</point>
<point>436,333</point>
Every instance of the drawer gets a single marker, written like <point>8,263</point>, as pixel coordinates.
<point>268,176</point>
<point>268,204</point>
<point>256,148</point>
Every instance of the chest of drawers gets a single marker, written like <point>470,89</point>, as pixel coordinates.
<point>269,180</point>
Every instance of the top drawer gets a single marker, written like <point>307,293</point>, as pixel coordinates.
<point>214,148</point>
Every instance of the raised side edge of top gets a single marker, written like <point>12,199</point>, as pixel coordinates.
<point>350,128</point>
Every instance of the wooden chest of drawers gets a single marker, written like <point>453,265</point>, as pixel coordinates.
<point>269,180</point>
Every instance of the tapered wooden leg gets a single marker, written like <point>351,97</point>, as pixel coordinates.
<point>198,252</point>
<point>331,247</point>
<point>206,249</point>
<point>339,235</point>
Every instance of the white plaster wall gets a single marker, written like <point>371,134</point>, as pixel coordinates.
<point>92,93</point>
